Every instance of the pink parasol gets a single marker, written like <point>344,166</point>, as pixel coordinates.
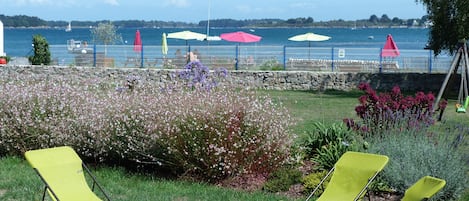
<point>137,42</point>
<point>390,48</point>
<point>240,37</point>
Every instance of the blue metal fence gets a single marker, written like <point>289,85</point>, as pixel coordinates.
<point>255,57</point>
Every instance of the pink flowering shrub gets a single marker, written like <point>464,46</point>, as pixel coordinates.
<point>218,133</point>
<point>393,110</point>
<point>205,134</point>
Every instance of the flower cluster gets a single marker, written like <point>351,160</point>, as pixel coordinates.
<point>195,74</point>
<point>385,111</point>
<point>205,134</point>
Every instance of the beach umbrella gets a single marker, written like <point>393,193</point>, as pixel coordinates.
<point>164,45</point>
<point>187,35</point>
<point>240,37</point>
<point>310,37</point>
<point>390,48</point>
<point>137,42</point>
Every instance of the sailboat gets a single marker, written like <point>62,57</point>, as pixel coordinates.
<point>208,37</point>
<point>69,27</point>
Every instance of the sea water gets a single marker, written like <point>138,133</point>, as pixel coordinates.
<point>18,41</point>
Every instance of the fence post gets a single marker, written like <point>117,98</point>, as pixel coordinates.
<point>94,55</point>
<point>237,59</point>
<point>284,57</point>
<point>332,58</point>
<point>141,57</point>
<point>430,61</point>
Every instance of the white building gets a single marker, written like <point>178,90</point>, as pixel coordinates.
<point>2,52</point>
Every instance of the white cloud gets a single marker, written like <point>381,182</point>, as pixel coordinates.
<point>111,2</point>
<point>177,3</point>
<point>27,2</point>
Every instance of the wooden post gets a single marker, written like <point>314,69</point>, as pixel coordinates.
<point>454,65</point>
<point>466,68</point>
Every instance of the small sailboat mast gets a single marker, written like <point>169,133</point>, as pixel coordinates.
<point>69,27</point>
<point>208,19</point>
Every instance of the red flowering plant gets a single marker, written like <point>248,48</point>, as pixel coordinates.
<point>390,110</point>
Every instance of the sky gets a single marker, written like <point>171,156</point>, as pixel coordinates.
<point>197,10</point>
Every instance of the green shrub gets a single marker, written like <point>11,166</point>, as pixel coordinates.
<point>323,135</point>
<point>329,154</point>
<point>282,179</point>
<point>41,51</point>
<point>312,180</point>
<point>414,154</point>
<point>325,144</point>
<point>465,196</point>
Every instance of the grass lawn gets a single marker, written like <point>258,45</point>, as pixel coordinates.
<point>307,107</point>
<point>19,182</point>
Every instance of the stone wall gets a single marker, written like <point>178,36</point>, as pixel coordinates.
<point>277,80</point>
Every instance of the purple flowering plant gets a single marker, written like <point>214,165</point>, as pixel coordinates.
<point>391,110</point>
<point>196,74</point>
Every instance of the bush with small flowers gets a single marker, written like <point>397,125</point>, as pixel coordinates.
<point>191,126</point>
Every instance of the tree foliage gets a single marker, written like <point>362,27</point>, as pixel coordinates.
<point>22,21</point>
<point>41,51</point>
<point>374,19</point>
<point>385,19</point>
<point>450,20</point>
<point>105,33</point>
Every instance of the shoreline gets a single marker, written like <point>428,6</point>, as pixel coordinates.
<point>247,27</point>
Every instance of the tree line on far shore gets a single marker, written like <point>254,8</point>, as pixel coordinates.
<point>374,21</point>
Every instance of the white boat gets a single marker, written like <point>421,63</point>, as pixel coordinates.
<point>210,38</point>
<point>69,27</point>
<point>78,47</point>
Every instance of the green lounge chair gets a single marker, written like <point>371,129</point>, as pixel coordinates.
<point>424,189</point>
<point>61,170</point>
<point>351,175</point>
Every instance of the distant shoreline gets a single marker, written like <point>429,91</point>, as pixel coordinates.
<point>22,21</point>
<point>249,27</point>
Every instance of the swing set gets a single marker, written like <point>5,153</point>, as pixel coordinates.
<point>462,108</point>
<point>460,59</point>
